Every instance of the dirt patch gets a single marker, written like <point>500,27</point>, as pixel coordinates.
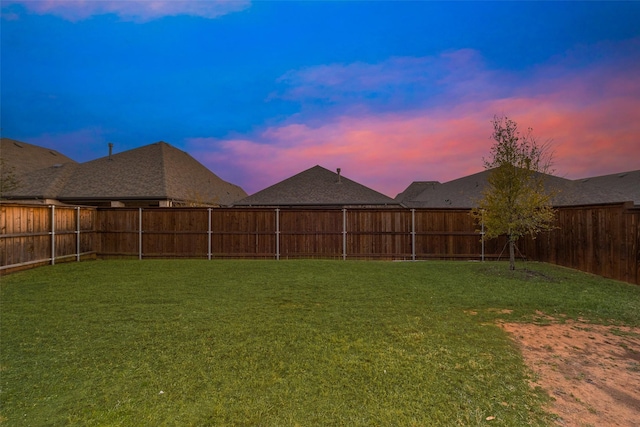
<point>591,371</point>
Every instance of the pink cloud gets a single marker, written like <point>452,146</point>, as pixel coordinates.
<point>591,114</point>
<point>385,152</point>
<point>131,10</point>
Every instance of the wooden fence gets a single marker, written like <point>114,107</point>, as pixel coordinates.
<point>32,235</point>
<point>290,233</point>
<point>603,239</point>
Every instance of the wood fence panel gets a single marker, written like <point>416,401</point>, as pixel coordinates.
<point>65,220</point>
<point>175,233</point>
<point>310,233</point>
<point>384,234</point>
<point>118,232</point>
<point>449,234</point>
<point>88,241</point>
<point>601,239</point>
<point>634,247</point>
<point>27,235</point>
<point>243,233</point>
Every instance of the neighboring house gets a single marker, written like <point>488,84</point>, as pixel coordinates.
<point>25,158</point>
<point>625,183</point>
<point>40,172</point>
<point>153,175</point>
<point>464,193</point>
<point>317,187</point>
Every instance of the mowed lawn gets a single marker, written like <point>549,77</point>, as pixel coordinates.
<point>282,343</point>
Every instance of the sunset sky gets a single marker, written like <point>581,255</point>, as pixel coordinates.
<point>390,92</point>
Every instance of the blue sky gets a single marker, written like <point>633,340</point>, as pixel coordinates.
<point>390,92</point>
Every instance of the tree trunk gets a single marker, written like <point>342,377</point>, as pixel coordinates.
<point>512,254</point>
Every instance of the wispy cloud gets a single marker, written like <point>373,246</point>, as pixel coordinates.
<point>128,10</point>
<point>399,82</point>
<point>590,112</point>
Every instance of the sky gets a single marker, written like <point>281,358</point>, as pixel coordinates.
<point>390,92</point>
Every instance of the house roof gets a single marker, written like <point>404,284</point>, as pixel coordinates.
<point>317,186</point>
<point>26,158</point>
<point>46,183</point>
<point>626,183</point>
<point>415,188</point>
<point>465,193</point>
<point>156,171</point>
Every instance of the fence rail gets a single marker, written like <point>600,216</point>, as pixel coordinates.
<point>32,235</point>
<point>602,239</point>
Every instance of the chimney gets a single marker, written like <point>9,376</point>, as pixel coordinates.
<point>110,150</point>
<point>338,170</point>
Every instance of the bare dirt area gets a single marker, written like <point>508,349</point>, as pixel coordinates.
<point>591,371</point>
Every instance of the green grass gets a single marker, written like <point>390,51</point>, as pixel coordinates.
<point>282,343</point>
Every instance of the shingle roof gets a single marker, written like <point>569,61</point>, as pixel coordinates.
<point>45,183</point>
<point>467,191</point>
<point>154,171</point>
<point>26,158</point>
<point>415,188</point>
<point>626,183</point>
<point>317,186</point>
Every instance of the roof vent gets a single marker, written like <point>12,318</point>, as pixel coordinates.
<point>57,165</point>
<point>338,170</point>
<point>53,153</point>
<point>16,144</point>
<point>622,175</point>
<point>110,150</point>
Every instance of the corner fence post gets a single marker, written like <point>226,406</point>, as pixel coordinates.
<point>277,234</point>
<point>53,234</point>
<point>78,233</point>
<point>344,234</point>
<point>209,231</point>
<point>139,233</point>
<point>413,234</point>
<point>482,236</point>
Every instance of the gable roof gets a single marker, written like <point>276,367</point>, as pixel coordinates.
<point>465,192</point>
<point>26,158</point>
<point>154,171</point>
<point>317,186</point>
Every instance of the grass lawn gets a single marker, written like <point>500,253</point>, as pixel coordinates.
<point>282,343</point>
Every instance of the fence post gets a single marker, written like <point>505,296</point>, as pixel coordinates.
<point>344,234</point>
<point>78,233</point>
<point>413,234</point>
<point>139,233</point>
<point>277,233</point>
<point>482,234</point>
<point>209,231</point>
<point>53,234</point>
